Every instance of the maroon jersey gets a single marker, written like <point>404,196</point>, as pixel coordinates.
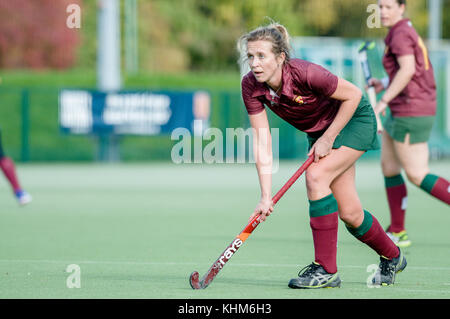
<point>418,98</point>
<point>304,100</point>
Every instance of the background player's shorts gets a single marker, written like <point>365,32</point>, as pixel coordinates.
<point>360,133</point>
<point>418,127</point>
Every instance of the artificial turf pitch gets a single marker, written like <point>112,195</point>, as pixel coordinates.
<point>139,230</point>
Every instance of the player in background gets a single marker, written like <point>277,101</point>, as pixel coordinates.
<point>341,126</point>
<point>410,93</point>
<point>9,170</point>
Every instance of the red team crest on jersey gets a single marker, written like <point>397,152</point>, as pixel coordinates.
<point>298,99</point>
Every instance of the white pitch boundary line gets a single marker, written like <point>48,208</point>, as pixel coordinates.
<point>46,261</point>
<point>149,263</point>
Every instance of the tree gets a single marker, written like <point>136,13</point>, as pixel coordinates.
<point>34,34</point>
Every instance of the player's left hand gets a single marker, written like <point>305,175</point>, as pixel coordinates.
<point>264,208</point>
<point>321,148</point>
<point>380,108</point>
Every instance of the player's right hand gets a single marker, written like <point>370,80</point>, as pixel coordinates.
<point>263,208</point>
<point>377,84</point>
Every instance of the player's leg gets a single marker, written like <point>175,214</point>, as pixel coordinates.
<point>323,212</point>
<point>360,223</point>
<point>366,228</point>
<point>396,191</point>
<point>323,206</point>
<point>414,160</point>
<point>9,170</point>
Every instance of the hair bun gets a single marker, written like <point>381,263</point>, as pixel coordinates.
<point>274,32</point>
<point>282,29</point>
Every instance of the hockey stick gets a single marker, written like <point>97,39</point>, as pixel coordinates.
<point>243,235</point>
<point>368,75</point>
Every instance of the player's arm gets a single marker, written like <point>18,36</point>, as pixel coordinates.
<point>262,151</point>
<point>405,73</point>
<point>350,95</point>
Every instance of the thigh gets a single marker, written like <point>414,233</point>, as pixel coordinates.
<point>413,158</point>
<point>338,161</point>
<point>349,204</point>
<point>390,163</point>
<point>325,171</point>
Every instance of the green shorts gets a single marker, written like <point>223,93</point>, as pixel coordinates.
<point>418,128</point>
<point>360,133</point>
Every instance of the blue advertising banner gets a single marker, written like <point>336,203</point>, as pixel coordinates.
<point>130,112</point>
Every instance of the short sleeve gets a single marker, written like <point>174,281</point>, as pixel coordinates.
<point>402,43</point>
<point>320,80</point>
<point>252,104</point>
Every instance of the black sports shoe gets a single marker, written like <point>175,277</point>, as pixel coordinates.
<point>387,269</point>
<point>315,276</point>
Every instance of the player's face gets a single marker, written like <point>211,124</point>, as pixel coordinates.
<point>263,63</point>
<point>391,12</point>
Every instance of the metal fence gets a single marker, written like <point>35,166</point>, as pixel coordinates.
<point>31,132</point>
<point>30,128</point>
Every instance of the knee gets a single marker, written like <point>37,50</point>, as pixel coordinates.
<point>351,215</point>
<point>315,180</point>
<point>416,177</point>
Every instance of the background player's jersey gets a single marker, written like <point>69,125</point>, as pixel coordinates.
<point>418,98</point>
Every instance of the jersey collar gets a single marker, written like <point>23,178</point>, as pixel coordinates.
<point>262,88</point>
<point>399,23</point>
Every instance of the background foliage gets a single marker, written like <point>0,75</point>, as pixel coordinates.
<point>33,34</point>
<point>175,35</point>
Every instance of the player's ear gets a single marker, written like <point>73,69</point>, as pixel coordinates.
<point>281,58</point>
<point>402,7</point>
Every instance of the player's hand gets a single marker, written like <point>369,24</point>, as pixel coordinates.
<point>321,148</point>
<point>264,208</point>
<point>377,84</point>
<point>380,108</point>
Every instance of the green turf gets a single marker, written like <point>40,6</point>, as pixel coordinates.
<point>139,230</point>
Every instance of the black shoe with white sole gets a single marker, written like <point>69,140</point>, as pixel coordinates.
<point>387,269</point>
<point>314,276</point>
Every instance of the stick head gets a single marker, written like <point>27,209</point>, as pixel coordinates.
<point>194,281</point>
<point>368,45</point>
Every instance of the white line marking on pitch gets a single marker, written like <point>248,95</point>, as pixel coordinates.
<point>150,263</point>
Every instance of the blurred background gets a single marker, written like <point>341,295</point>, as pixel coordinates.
<point>61,62</point>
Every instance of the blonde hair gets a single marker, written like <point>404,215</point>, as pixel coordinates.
<point>276,33</point>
